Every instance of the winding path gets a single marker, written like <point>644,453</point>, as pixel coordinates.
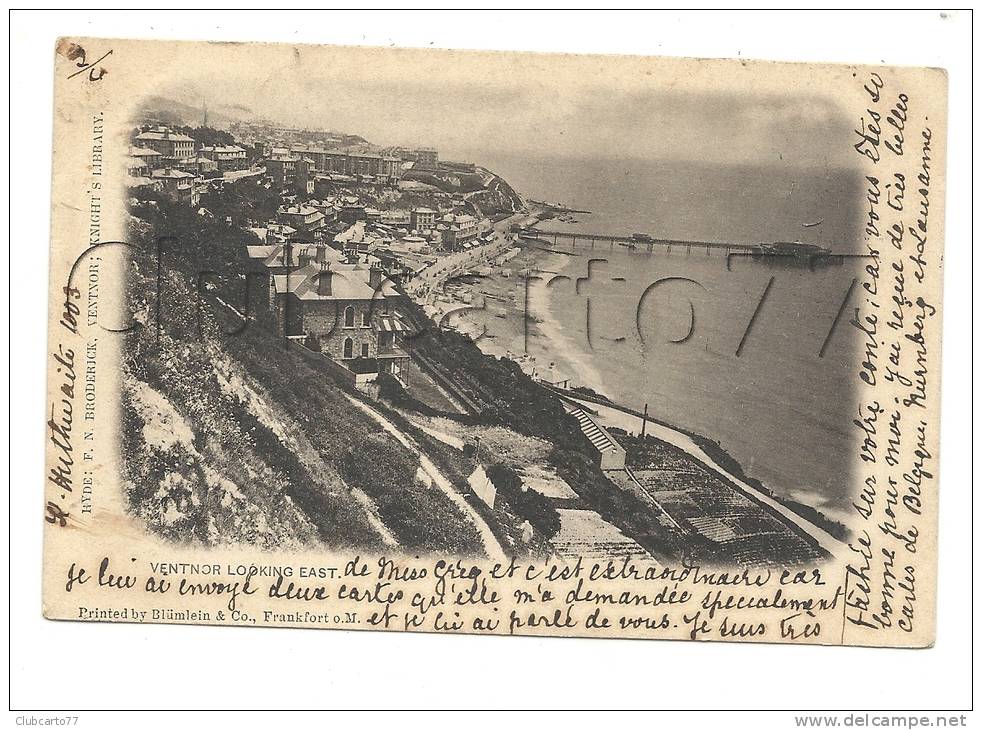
<point>491,545</point>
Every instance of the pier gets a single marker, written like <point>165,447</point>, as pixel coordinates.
<point>646,243</point>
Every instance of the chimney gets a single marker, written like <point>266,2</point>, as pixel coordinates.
<point>303,258</point>
<point>321,255</point>
<point>375,277</point>
<point>324,277</point>
<point>288,255</point>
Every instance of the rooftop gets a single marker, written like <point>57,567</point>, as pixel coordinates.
<point>260,252</point>
<point>281,229</point>
<point>231,149</point>
<point>164,135</point>
<point>297,210</point>
<point>349,282</point>
<point>171,173</point>
<point>275,256</point>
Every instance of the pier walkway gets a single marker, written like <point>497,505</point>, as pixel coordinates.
<point>646,243</point>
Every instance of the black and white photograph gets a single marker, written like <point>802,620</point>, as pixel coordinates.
<point>538,314</point>
<point>510,364</point>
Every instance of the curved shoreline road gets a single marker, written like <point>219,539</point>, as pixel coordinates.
<point>491,545</point>
<point>613,416</point>
<point>454,263</point>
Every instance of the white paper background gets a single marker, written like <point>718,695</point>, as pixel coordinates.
<point>61,667</point>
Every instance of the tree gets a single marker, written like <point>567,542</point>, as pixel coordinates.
<point>208,136</point>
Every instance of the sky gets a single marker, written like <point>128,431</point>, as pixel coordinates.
<point>547,105</point>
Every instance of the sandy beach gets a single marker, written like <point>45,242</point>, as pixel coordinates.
<point>497,315</point>
<point>684,385</point>
<point>551,336</point>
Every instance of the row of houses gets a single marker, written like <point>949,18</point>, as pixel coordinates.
<point>294,167</point>
<point>320,219</point>
<point>451,230</point>
<point>162,147</point>
<point>143,161</point>
<point>180,185</point>
<point>299,167</point>
<point>173,163</point>
<point>289,170</point>
<point>386,169</point>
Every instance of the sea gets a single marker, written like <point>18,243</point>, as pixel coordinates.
<point>758,356</point>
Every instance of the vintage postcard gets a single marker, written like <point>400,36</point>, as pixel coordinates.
<point>496,343</point>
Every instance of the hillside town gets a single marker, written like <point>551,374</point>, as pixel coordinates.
<point>373,259</point>
<point>351,222</point>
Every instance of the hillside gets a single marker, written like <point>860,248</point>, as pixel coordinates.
<point>233,436</point>
<point>164,110</point>
<point>488,193</point>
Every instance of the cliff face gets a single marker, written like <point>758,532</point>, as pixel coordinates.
<point>497,196</point>
<point>488,193</point>
<point>234,437</point>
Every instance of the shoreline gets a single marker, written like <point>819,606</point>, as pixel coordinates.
<point>550,357</point>
<point>551,330</point>
<point>618,416</point>
<point>723,462</point>
<point>546,353</point>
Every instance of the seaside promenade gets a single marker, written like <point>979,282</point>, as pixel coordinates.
<point>425,283</point>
